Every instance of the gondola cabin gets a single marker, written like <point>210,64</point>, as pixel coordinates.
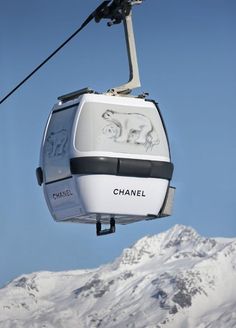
<point>105,159</point>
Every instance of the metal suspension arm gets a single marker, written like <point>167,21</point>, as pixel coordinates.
<point>134,80</point>
<point>118,11</point>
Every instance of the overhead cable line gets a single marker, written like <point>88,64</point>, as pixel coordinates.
<point>93,15</point>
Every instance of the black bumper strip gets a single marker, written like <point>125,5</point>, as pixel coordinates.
<point>122,167</point>
<point>39,175</point>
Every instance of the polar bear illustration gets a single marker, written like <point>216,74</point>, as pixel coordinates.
<point>130,128</point>
<point>56,143</point>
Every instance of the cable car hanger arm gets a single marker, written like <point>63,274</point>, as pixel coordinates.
<point>118,11</point>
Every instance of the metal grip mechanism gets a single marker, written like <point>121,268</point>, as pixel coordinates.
<point>116,12</point>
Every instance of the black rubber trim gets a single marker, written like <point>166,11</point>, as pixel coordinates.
<point>94,165</point>
<point>39,175</point>
<point>121,167</point>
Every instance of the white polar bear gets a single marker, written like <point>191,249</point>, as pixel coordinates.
<point>130,128</point>
<point>56,143</point>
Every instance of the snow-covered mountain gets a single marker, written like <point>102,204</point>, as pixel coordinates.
<point>175,279</point>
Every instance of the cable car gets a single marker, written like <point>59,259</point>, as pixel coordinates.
<point>105,158</point>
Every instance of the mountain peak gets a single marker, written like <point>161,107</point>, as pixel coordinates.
<point>178,239</point>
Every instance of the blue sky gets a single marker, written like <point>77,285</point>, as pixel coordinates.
<point>187,56</point>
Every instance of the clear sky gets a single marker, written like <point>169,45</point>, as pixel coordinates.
<point>187,57</point>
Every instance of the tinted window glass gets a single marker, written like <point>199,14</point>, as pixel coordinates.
<point>122,129</point>
<point>56,145</point>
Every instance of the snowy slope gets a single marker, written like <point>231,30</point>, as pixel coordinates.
<point>175,279</point>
